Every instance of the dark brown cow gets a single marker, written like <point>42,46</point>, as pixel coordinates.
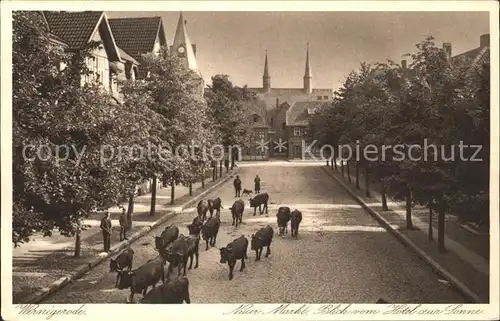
<point>173,292</point>
<point>170,234</point>
<point>236,250</point>
<point>295,222</point>
<point>180,251</point>
<point>215,204</point>
<point>141,278</point>
<point>262,238</point>
<point>284,215</point>
<point>237,212</point>
<point>122,261</point>
<point>210,230</point>
<point>259,200</point>
<point>202,209</point>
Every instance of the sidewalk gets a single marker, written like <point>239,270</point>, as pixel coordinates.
<point>43,261</point>
<point>465,258</point>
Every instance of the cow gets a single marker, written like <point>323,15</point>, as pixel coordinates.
<point>236,250</point>
<point>202,209</point>
<point>237,212</point>
<point>170,234</point>
<point>210,229</point>
<point>295,222</point>
<point>215,204</point>
<point>122,261</point>
<point>283,217</point>
<point>258,200</point>
<point>175,291</point>
<point>262,238</point>
<point>179,251</point>
<point>140,279</point>
<point>195,227</point>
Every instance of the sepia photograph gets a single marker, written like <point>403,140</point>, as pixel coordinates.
<point>312,160</point>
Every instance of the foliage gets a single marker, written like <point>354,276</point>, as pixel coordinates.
<point>437,100</point>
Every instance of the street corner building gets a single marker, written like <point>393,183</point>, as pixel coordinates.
<point>280,116</point>
<point>122,42</point>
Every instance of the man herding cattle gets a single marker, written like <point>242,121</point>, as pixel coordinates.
<point>237,186</point>
<point>123,225</point>
<point>257,184</point>
<point>106,231</point>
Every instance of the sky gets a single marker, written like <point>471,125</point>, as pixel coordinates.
<point>234,43</point>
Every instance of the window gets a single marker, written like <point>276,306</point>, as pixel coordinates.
<point>256,118</point>
<point>261,135</point>
<point>283,126</point>
<point>272,121</point>
<point>325,97</point>
<point>319,97</point>
<point>296,131</point>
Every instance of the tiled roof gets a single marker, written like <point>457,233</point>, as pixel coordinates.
<point>127,57</point>
<point>259,108</point>
<point>298,113</point>
<point>74,28</point>
<point>135,35</point>
<point>290,95</point>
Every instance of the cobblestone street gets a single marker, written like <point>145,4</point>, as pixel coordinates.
<point>342,254</point>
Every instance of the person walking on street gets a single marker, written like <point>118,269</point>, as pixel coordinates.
<point>123,225</point>
<point>106,231</point>
<point>257,184</point>
<point>237,186</point>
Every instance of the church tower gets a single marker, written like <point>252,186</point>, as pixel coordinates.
<point>183,47</point>
<point>266,79</point>
<point>307,74</point>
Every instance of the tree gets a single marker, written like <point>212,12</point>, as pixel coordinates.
<point>226,104</point>
<point>52,109</point>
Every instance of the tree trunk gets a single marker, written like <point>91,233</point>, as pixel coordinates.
<point>220,169</point>
<point>409,223</point>
<point>232,158</point>
<point>367,180</point>
<point>153,197</point>
<point>335,161</point>
<point>384,198</point>
<point>214,171</point>
<point>348,171</point>
<point>431,231</point>
<point>342,167</point>
<point>130,210</point>
<point>172,193</point>
<point>203,177</point>
<point>190,189</point>
<point>78,243</point>
<point>357,174</point>
<point>441,229</point>
<point>327,163</point>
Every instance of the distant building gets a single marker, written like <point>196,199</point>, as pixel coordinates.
<point>477,55</point>
<point>285,108</point>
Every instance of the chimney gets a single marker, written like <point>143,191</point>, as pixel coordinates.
<point>403,63</point>
<point>277,102</point>
<point>484,40</point>
<point>447,49</point>
<point>194,49</point>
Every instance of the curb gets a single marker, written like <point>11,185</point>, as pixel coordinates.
<point>462,288</point>
<point>96,260</point>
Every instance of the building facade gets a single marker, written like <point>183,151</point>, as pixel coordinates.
<point>287,111</point>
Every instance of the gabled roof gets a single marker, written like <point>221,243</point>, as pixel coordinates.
<point>182,39</point>
<point>257,107</point>
<point>298,114</point>
<point>76,28</point>
<point>137,35</point>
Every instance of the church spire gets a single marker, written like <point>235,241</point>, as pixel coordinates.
<point>182,45</point>
<point>266,79</point>
<point>307,74</point>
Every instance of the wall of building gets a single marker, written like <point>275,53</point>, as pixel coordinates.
<point>253,152</point>
<point>99,64</point>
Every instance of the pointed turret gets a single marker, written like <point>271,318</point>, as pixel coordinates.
<point>182,45</point>
<point>307,74</point>
<point>266,79</point>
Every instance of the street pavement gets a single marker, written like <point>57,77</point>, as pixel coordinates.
<point>342,254</point>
